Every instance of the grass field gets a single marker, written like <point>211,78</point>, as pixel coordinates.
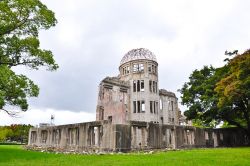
<point>15,155</point>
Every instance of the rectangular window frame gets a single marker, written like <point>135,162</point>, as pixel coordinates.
<point>138,106</point>
<point>151,106</point>
<point>143,106</point>
<point>172,105</point>
<point>134,86</point>
<point>154,106</point>
<point>149,68</point>
<point>150,85</point>
<point>134,107</point>
<point>138,86</point>
<point>142,86</point>
<point>135,67</point>
<point>161,105</point>
<point>128,69</point>
<point>141,67</point>
<point>155,87</point>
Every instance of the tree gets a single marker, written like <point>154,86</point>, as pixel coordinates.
<point>20,22</point>
<point>234,92</point>
<point>4,132</point>
<point>213,95</point>
<point>199,96</point>
<point>15,132</point>
<point>19,132</point>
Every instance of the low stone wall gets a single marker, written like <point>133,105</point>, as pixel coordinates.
<point>91,136</point>
<point>226,137</point>
<point>105,136</point>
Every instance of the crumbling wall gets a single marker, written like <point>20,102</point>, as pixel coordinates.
<point>154,136</point>
<point>105,136</point>
<point>199,138</point>
<point>185,136</point>
<point>226,137</point>
<point>113,100</point>
<point>108,137</point>
<point>171,136</point>
<point>169,111</point>
<point>77,137</point>
<point>122,138</point>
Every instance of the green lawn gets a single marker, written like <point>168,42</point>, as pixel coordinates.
<point>14,155</point>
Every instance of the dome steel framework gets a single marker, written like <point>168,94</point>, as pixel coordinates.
<point>136,54</point>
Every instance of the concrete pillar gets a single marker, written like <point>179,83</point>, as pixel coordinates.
<point>29,140</point>
<point>64,135</point>
<point>96,134</point>
<point>215,139</point>
<point>173,139</point>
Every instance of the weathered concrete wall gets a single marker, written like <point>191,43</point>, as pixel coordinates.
<point>170,136</point>
<point>168,108</point>
<point>113,100</point>
<point>137,135</point>
<point>123,137</point>
<point>225,137</point>
<point>199,137</point>
<point>98,135</point>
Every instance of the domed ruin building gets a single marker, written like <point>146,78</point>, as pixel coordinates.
<point>134,94</point>
<point>132,113</point>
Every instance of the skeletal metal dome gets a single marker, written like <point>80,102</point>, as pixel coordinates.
<point>139,53</point>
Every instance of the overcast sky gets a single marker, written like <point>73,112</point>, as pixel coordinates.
<point>92,36</point>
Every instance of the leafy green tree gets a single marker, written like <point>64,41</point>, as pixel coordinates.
<point>234,92</point>
<point>20,23</point>
<point>19,132</point>
<point>15,132</point>
<point>213,95</point>
<point>4,133</point>
<point>199,96</point>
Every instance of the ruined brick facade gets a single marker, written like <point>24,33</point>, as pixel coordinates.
<point>134,95</point>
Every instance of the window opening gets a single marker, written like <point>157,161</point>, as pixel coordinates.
<point>172,105</point>
<point>155,87</point>
<point>134,106</point>
<point>135,67</point>
<point>138,85</point>
<point>153,68</point>
<point>138,106</point>
<point>162,120</point>
<point>161,104</point>
<point>134,86</point>
<point>141,67</point>
<point>128,70</point>
<point>142,85</point>
<point>110,118</point>
<point>154,106</point>
<point>151,106</point>
<point>142,106</point>
<point>101,113</point>
<point>149,68</point>
<point>150,85</point>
